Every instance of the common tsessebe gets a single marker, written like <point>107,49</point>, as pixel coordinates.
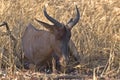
<point>40,45</point>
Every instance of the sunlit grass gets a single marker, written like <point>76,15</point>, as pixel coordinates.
<point>96,36</point>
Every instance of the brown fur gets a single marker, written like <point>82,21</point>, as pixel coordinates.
<point>44,42</point>
<point>40,45</point>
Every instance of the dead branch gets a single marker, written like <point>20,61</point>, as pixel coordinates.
<point>13,39</point>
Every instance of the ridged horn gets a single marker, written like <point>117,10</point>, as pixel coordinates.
<point>55,22</point>
<point>72,21</point>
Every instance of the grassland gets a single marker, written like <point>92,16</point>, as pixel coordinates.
<point>96,36</point>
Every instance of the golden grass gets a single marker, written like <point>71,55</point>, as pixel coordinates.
<point>96,36</point>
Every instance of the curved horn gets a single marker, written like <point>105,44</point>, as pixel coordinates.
<point>46,25</point>
<point>52,19</point>
<point>72,21</point>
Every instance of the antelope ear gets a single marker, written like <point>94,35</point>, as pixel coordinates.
<point>46,25</point>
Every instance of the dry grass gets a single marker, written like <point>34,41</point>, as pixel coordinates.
<point>96,36</point>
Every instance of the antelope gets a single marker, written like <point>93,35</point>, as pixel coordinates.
<point>40,45</point>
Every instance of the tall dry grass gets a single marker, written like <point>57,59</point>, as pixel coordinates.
<point>96,36</point>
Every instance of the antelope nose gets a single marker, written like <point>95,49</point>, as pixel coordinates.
<point>66,60</point>
<point>63,62</point>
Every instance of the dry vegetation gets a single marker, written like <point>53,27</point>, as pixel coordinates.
<point>96,36</point>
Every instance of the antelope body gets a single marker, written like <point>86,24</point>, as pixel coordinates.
<point>40,45</point>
